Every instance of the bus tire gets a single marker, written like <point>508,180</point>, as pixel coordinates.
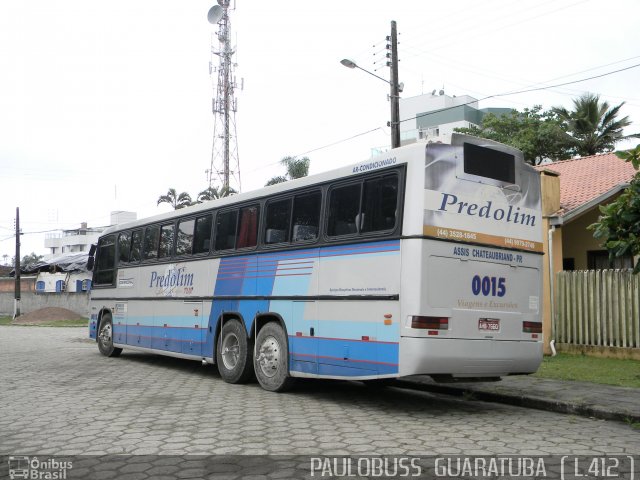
<point>271,363</point>
<point>234,353</point>
<point>105,338</point>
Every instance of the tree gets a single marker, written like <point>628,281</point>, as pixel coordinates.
<point>277,179</point>
<point>538,134</point>
<point>619,225</point>
<point>30,259</point>
<point>592,125</point>
<point>212,193</point>
<point>175,200</point>
<point>296,168</point>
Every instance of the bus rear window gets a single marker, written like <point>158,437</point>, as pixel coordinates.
<point>489,163</point>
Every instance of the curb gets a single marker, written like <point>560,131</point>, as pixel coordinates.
<point>519,400</point>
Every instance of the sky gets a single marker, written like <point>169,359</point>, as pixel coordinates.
<point>104,106</point>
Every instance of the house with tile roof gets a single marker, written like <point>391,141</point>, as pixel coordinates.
<point>572,191</point>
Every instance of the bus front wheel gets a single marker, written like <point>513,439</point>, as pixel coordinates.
<point>234,353</point>
<point>105,338</point>
<point>271,362</point>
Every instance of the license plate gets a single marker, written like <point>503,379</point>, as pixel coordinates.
<point>489,324</point>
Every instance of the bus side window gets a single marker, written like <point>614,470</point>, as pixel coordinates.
<point>151,237</point>
<point>136,246</point>
<point>106,261</point>
<point>226,230</point>
<point>166,241</point>
<point>379,204</point>
<point>185,237</point>
<point>344,207</point>
<point>248,228</point>
<point>276,228</point>
<point>124,247</point>
<point>202,238</point>
<point>306,216</point>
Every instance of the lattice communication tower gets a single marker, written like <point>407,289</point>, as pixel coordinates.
<point>225,163</point>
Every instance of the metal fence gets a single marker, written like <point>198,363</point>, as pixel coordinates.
<point>599,308</point>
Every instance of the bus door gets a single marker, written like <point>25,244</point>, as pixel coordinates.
<point>303,343</point>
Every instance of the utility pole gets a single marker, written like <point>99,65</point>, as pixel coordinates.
<point>394,96</point>
<point>395,86</point>
<point>16,307</point>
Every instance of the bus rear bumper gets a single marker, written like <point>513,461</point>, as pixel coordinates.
<point>468,358</point>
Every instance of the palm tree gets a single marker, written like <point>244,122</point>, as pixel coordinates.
<point>593,125</point>
<point>296,168</point>
<point>175,200</point>
<point>212,193</point>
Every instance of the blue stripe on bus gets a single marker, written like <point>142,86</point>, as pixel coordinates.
<point>259,274</point>
<point>386,353</point>
<point>381,358</point>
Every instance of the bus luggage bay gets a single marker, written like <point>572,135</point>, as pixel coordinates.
<point>424,260</point>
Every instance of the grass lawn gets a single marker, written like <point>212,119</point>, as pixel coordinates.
<point>607,371</point>
<point>54,323</point>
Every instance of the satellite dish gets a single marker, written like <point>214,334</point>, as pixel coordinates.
<point>215,14</point>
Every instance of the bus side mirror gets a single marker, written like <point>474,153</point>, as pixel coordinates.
<point>91,260</point>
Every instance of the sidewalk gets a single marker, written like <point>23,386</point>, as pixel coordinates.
<point>578,398</point>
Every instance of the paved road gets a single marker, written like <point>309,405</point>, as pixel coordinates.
<point>59,396</point>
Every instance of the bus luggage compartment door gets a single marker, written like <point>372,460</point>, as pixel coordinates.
<point>487,300</point>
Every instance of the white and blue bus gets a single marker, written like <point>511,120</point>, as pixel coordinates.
<point>424,260</point>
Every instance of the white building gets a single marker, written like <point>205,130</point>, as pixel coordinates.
<point>80,239</point>
<point>430,116</point>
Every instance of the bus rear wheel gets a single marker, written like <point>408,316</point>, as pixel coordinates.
<point>105,338</point>
<point>271,362</point>
<point>234,353</point>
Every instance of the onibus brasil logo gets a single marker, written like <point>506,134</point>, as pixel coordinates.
<point>35,468</point>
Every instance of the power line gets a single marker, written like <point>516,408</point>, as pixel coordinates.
<point>468,103</point>
<point>339,141</point>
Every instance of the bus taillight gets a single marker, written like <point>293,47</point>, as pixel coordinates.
<point>430,323</point>
<point>532,327</point>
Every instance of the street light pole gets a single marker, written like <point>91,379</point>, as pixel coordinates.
<point>395,88</point>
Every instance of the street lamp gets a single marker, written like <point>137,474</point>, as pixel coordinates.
<point>396,88</point>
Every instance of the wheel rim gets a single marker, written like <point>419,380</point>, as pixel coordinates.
<point>269,356</point>
<point>230,351</point>
<point>105,335</point>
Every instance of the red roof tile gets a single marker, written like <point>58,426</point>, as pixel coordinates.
<point>587,178</point>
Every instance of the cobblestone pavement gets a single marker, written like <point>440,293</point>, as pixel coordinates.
<point>59,396</point>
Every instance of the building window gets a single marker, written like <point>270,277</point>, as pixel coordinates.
<point>599,260</point>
